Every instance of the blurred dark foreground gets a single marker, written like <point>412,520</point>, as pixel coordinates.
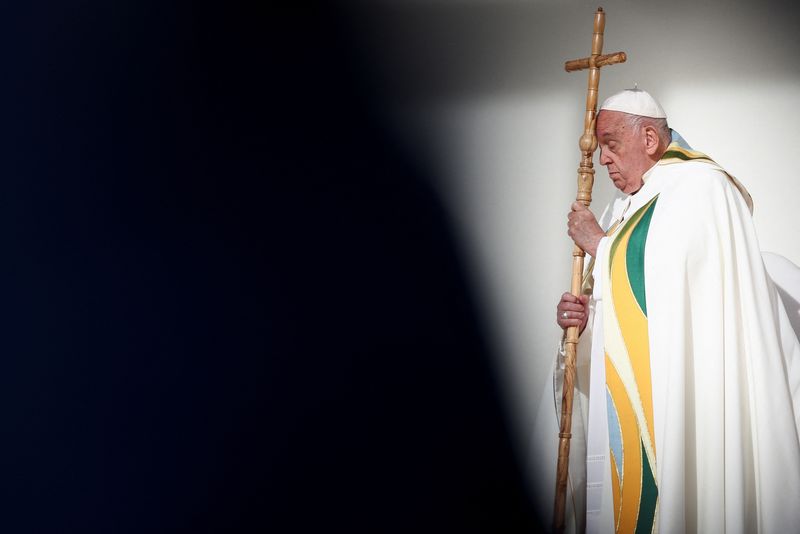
<point>231,301</point>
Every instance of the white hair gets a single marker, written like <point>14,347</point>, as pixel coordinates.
<point>637,122</point>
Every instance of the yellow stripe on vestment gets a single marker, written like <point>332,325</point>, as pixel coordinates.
<point>626,502</point>
<point>676,153</point>
<point>615,488</point>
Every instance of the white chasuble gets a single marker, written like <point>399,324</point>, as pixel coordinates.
<point>694,382</point>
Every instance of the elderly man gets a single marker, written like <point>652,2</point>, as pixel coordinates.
<point>692,366</point>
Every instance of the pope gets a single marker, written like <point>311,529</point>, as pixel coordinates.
<point>688,375</point>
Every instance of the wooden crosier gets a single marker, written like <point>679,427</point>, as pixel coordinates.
<point>588,144</point>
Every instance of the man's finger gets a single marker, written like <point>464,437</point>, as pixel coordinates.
<point>569,297</point>
<point>570,307</point>
<point>566,323</point>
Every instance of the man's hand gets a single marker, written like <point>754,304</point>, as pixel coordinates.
<point>576,310</point>
<point>582,227</point>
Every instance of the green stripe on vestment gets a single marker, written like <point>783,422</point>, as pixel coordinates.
<point>649,499</point>
<point>635,256</point>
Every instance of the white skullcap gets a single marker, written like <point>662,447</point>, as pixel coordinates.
<point>636,102</point>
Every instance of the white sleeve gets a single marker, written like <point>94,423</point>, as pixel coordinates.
<point>597,289</point>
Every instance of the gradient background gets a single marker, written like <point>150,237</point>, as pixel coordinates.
<point>293,269</point>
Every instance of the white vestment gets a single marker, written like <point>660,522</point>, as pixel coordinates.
<point>725,366</point>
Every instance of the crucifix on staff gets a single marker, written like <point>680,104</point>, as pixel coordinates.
<point>588,144</point>
<point>694,369</point>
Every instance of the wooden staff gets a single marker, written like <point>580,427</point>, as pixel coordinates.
<point>588,144</point>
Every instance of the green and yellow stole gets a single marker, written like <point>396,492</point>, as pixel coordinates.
<point>628,382</point>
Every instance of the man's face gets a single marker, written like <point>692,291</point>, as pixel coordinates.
<point>622,151</point>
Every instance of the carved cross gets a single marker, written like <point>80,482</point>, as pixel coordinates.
<point>588,144</point>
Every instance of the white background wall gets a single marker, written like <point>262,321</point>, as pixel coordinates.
<point>480,86</point>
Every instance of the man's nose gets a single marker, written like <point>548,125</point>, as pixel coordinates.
<point>604,159</point>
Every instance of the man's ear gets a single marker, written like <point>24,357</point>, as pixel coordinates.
<point>651,140</point>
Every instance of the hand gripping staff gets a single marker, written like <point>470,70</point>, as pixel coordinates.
<point>588,144</point>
